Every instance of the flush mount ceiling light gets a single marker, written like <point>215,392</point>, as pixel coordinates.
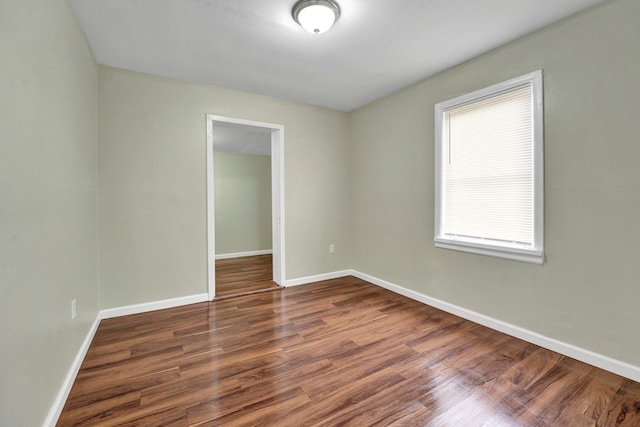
<point>316,16</point>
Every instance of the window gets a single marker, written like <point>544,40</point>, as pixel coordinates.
<point>489,171</point>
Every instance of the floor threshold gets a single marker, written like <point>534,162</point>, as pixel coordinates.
<point>242,294</point>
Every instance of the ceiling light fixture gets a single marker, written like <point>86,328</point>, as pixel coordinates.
<point>316,16</point>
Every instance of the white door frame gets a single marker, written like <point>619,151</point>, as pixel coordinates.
<point>277,199</point>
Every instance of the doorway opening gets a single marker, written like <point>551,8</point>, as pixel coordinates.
<point>235,138</point>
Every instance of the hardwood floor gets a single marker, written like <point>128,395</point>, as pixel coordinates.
<point>339,352</point>
<point>245,274</point>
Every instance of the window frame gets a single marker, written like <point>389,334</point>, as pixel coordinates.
<point>535,254</point>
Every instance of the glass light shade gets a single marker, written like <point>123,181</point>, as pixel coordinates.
<point>316,16</point>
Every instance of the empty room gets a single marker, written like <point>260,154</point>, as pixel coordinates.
<point>319,213</point>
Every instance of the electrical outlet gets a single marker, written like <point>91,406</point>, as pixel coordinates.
<point>73,309</point>
<point>332,249</point>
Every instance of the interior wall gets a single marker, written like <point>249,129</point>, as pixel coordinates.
<point>152,179</point>
<point>586,293</point>
<point>242,202</point>
<point>48,209</point>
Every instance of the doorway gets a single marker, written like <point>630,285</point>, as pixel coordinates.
<point>217,128</point>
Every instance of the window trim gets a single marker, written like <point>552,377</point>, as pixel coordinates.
<point>535,255</point>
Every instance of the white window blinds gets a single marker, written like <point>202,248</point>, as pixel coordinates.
<point>488,170</point>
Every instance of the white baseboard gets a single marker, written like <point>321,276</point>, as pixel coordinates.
<point>241,254</point>
<point>151,306</point>
<point>61,398</point>
<point>595,359</point>
<point>317,278</point>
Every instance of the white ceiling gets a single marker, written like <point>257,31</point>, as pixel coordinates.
<point>375,48</point>
<point>241,139</point>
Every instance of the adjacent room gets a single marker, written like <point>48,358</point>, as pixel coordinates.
<point>242,209</point>
<point>432,208</point>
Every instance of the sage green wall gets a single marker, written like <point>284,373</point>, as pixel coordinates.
<point>152,180</point>
<point>587,292</point>
<point>48,231</point>
<point>242,202</point>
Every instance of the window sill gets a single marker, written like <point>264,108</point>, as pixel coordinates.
<point>531,257</point>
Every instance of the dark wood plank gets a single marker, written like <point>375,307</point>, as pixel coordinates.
<point>339,352</point>
<point>243,275</point>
